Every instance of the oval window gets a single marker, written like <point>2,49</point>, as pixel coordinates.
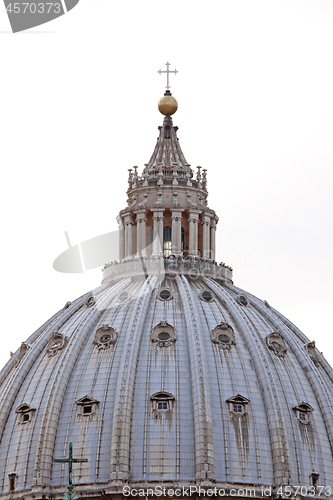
<point>223,337</point>
<point>163,336</point>
<point>243,300</point>
<point>165,294</point>
<point>123,296</point>
<point>105,338</point>
<point>207,296</point>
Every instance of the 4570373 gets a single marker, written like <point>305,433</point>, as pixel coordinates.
<point>34,8</point>
<point>304,491</point>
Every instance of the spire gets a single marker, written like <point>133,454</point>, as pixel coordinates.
<point>168,156</point>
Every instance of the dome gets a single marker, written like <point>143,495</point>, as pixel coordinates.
<point>167,374</point>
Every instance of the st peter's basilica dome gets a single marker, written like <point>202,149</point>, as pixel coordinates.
<point>167,373</point>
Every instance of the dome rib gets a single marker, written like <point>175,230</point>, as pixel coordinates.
<point>312,372</point>
<point>121,421</point>
<point>47,436</point>
<point>45,449</point>
<point>276,423</point>
<point>203,430</point>
<point>40,340</point>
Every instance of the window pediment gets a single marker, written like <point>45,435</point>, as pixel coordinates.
<point>162,402</point>
<point>86,406</point>
<point>238,404</point>
<point>303,412</point>
<point>25,413</point>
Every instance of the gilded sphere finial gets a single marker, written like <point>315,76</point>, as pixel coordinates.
<point>167,105</point>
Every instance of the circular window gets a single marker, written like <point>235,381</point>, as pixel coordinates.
<point>164,336</point>
<point>165,294</point>
<point>56,344</point>
<point>90,301</point>
<point>124,296</point>
<point>223,337</point>
<point>243,300</point>
<point>105,338</point>
<point>207,296</point>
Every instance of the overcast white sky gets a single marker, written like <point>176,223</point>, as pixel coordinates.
<point>79,107</point>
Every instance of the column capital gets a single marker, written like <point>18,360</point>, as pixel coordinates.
<point>206,219</point>
<point>120,221</point>
<point>158,214</point>
<point>176,215</point>
<point>128,219</point>
<point>141,216</point>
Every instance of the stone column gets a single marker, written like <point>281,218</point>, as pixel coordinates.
<point>121,238</point>
<point>128,235</point>
<point>176,243</point>
<point>158,232</point>
<point>213,238</point>
<point>141,233</point>
<point>205,236</point>
<point>193,220</point>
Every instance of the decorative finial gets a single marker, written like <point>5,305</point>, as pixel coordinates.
<point>167,71</point>
<point>167,105</point>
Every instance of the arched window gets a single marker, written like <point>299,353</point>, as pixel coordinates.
<point>167,241</point>
<point>183,239</point>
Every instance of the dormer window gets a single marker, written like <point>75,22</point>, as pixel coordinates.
<point>314,479</point>
<point>12,481</point>
<point>238,408</point>
<point>87,406</point>
<point>25,413</point>
<point>162,402</point>
<point>238,404</point>
<point>303,412</point>
<point>87,409</point>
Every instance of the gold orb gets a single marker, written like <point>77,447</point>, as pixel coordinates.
<point>167,105</point>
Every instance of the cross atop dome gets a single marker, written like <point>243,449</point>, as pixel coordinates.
<point>167,71</point>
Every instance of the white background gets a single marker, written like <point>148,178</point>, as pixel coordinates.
<point>79,107</point>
